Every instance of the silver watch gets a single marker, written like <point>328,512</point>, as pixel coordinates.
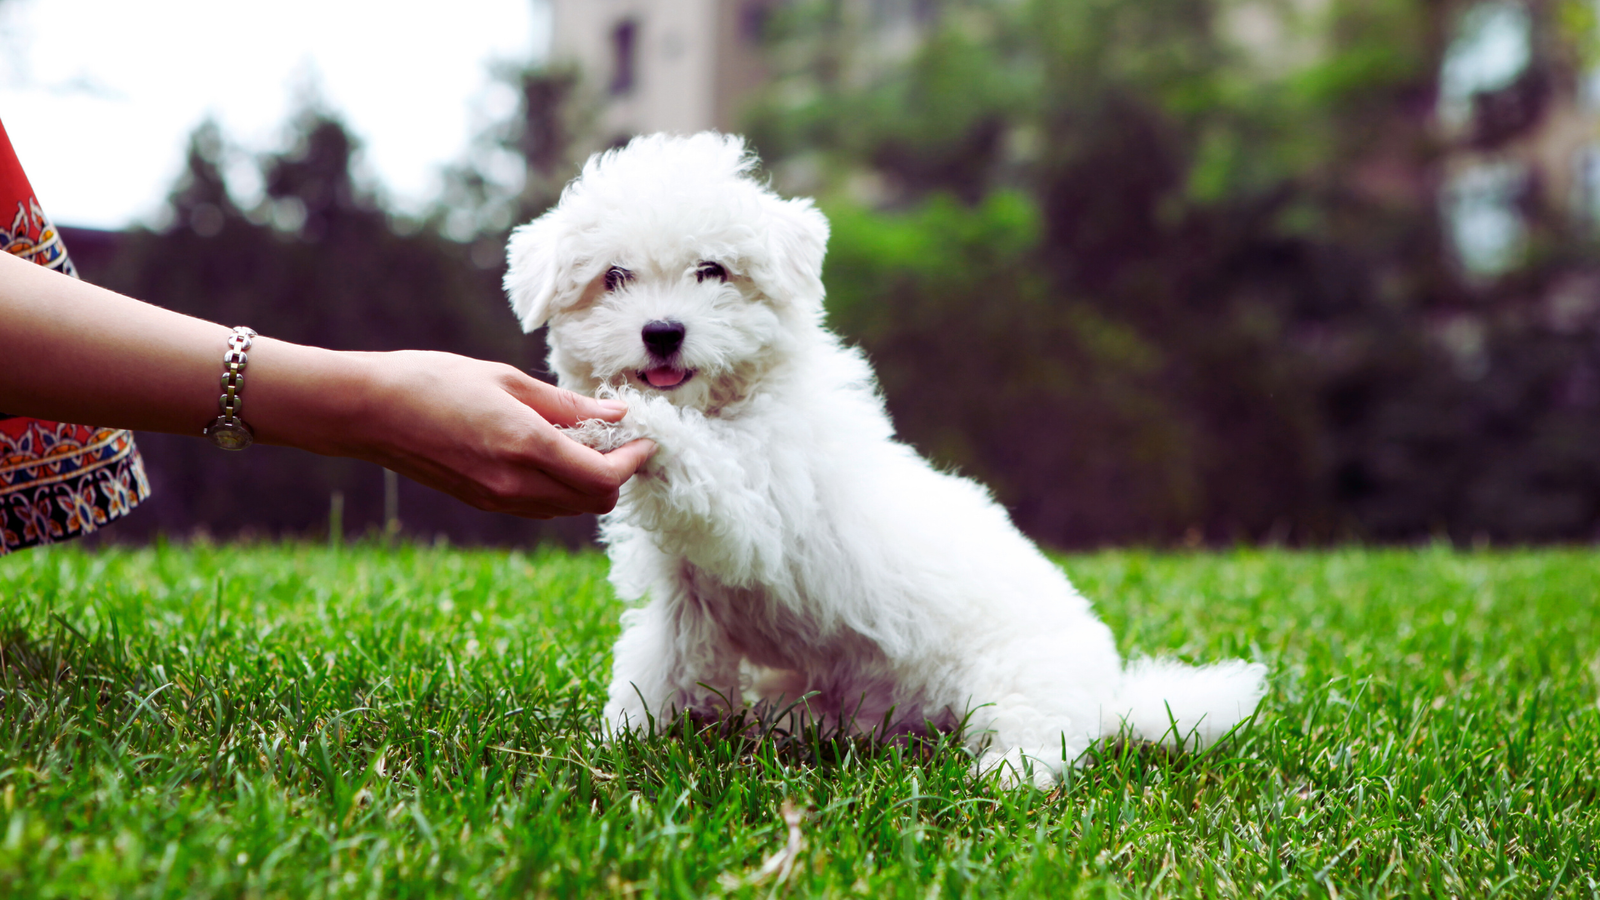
<point>228,431</point>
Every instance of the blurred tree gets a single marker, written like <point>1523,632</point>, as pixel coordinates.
<point>983,365</point>
<point>1230,310</point>
<point>516,168</point>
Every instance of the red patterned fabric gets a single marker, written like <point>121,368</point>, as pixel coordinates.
<point>57,481</point>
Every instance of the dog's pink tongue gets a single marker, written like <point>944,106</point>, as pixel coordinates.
<point>666,376</point>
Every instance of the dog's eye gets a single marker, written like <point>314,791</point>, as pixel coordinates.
<point>710,269</point>
<point>616,277</point>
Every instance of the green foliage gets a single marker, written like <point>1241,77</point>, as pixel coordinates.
<point>1180,266</point>
<point>284,720</point>
<point>945,298</point>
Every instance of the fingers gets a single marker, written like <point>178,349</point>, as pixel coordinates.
<point>563,407</point>
<point>593,484</point>
<point>584,480</point>
<point>593,490</point>
<point>581,467</point>
<point>629,458</point>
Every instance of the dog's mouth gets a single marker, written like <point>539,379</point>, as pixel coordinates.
<point>665,378</point>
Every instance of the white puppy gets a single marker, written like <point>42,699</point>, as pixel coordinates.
<point>785,543</point>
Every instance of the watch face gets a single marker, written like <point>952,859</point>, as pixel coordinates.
<point>230,435</point>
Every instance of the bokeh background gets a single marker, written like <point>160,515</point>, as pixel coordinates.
<point>1160,272</point>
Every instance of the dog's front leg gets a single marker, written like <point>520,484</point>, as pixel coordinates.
<point>670,659</point>
<point>710,493</point>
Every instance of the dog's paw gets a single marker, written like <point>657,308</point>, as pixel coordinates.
<point>602,435</point>
<point>652,416</point>
<point>643,420</point>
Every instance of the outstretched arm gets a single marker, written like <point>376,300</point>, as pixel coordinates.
<point>482,431</point>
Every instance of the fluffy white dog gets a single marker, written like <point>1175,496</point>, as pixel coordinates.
<point>786,544</point>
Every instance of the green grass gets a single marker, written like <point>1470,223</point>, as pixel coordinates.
<point>286,720</point>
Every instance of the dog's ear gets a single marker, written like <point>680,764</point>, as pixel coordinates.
<point>797,238</point>
<point>534,273</point>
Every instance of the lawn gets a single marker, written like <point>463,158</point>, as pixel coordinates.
<point>288,720</point>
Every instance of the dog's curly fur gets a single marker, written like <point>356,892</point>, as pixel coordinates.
<point>785,543</point>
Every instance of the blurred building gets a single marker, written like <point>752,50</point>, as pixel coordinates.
<point>662,65</point>
<point>688,65</point>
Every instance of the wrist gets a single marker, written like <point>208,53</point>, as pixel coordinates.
<point>310,398</point>
<point>229,430</point>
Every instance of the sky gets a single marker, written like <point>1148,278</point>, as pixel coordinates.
<point>99,96</point>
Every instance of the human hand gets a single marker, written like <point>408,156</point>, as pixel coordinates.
<point>483,432</point>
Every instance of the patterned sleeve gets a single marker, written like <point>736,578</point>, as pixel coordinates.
<point>57,481</point>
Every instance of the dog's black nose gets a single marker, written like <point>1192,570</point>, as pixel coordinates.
<point>663,338</point>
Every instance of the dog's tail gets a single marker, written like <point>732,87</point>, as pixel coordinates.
<point>1183,706</point>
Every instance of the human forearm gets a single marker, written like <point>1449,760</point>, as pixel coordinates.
<point>79,353</point>
<point>481,431</point>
